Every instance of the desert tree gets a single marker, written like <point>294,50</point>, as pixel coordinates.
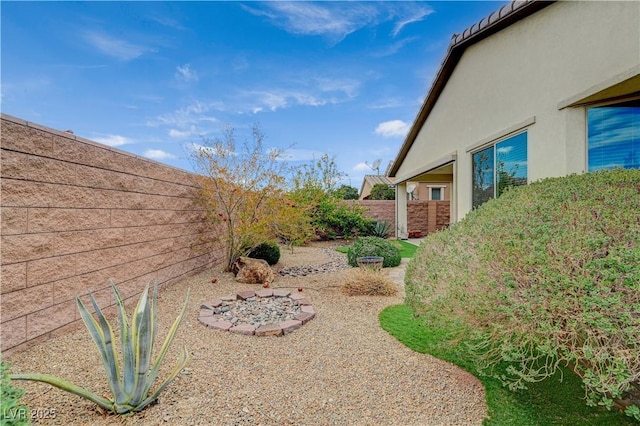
<point>243,192</point>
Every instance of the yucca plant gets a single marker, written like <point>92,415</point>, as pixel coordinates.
<point>130,386</point>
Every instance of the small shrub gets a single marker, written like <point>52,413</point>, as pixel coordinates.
<point>13,413</point>
<point>367,282</point>
<point>269,251</point>
<point>374,246</point>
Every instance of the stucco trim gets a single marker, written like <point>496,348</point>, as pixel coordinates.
<point>501,134</point>
<point>436,164</point>
<point>582,98</point>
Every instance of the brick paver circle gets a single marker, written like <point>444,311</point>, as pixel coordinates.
<point>211,319</point>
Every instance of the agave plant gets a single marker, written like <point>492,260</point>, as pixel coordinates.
<point>381,229</point>
<point>130,386</point>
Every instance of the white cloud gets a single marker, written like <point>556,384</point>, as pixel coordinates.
<point>188,116</point>
<point>113,140</point>
<point>393,128</point>
<point>185,73</point>
<point>158,154</point>
<point>120,49</point>
<point>179,134</point>
<point>410,15</point>
<point>312,92</point>
<point>361,167</point>
<point>336,20</point>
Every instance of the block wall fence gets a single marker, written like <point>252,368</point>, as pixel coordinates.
<point>74,214</point>
<point>424,216</point>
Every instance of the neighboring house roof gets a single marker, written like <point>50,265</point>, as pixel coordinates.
<point>492,24</point>
<point>370,180</point>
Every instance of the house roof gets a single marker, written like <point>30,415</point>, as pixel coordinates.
<point>495,22</point>
<point>373,179</point>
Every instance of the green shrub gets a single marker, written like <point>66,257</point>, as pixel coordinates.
<point>546,275</point>
<point>269,251</point>
<point>381,191</point>
<point>374,246</point>
<point>336,218</point>
<point>13,413</point>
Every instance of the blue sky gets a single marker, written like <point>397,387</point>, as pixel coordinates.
<point>342,78</point>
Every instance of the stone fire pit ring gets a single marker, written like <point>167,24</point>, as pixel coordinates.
<point>230,313</point>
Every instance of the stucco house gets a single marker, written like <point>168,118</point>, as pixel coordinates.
<point>425,191</point>
<point>534,90</point>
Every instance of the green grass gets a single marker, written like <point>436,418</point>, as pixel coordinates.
<point>407,250</point>
<point>558,400</point>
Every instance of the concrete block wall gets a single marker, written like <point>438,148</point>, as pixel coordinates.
<point>381,210</point>
<point>425,216</point>
<point>74,214</point>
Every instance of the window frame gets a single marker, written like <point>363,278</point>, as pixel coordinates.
<point>442,192</point>
<point>600,104</point>
<point>493,144</point>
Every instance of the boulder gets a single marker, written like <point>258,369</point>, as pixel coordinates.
<point>253,271</point>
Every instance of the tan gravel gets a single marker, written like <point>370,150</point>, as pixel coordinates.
<point>339,369</point>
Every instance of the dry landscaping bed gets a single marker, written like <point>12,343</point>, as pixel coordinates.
<point>341,368</point>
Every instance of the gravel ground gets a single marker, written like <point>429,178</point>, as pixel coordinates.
<point>341,368</point>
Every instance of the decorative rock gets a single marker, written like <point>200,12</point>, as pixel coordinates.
<point>338,262</point>
<point>215,303</point>
<point>269,330</point>
<point>244,295</point>
<point>290,325</point>
<point>258,312</point>
<point>222,325</point>
<point>304,317</point>
<point>281,293</point>
<point>264,293</point>
<point>243,329</point>
<point>253,271</point>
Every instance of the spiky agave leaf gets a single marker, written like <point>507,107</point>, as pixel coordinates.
<point>128,359</point>
<point>165,346</point>
<point>66,386</point>
<point>130,391</point>
<point>102,335</point>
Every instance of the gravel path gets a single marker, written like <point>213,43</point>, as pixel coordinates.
<point>339,369</point>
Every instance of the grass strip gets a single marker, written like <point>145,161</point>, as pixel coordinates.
<point>558,400</point>
<point>407,250</point>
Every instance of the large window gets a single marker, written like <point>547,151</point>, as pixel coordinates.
<point>498,167</point>
<point>614,136</point>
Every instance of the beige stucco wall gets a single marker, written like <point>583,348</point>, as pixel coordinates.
<point>75,214</point>
<point>522,75</point>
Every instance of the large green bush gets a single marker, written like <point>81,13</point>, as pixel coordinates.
<point>374,246</point>
<point>546,275</point>
<point>336,218</point>
<point>269,251</point>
